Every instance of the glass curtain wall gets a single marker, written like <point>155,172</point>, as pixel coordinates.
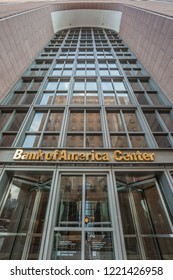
<point>86,89</point>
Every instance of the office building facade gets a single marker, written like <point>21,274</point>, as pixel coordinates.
<point>86,155</point>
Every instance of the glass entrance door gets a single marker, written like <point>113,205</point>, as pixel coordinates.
<point>83,227</point>
<point>22,216</point>
<point>148,231</point>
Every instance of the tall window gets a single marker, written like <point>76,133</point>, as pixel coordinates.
<point>84,129</point>
<point>125,129</point>
<point>44,129</point>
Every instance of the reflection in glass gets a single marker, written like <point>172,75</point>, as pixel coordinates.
<point>29,97</point>
<point>6,243</point>
<point>132,122</point>
<point>141,98</point>
<point>147,85</point>
<point>67,72</point>
<point>93,121</point>
<point>153,122</point>
<point>78,98</point>
<point>52,86</point>
<point>34,86</point>
<point>16,98</point>
<point>102,65</point>
<point>67,245</point>
<point>91,86</point>
<point>76,122</point>
<point>123,98</point>
<point>90,72</point>
<point>38,122</point>
<point>112,64</point>
<point>114,122</point>
<point>54,121</point>
<point>60,99</point>
<point>83,197</point>
<point>70,207</point>
<point>98,245</point>
<point>147,200</point>
<point>39,224</point>
<point>23,86</point>
<point>63,85</point>
<point>138,72</point>
<point>92,98</point>
<point>162,141</point>
<point>46,99</point>
<point>17,121</point>
<point>119,141</point>
<point>126,215</point>
<point>104,72</point>
<point>96,202</point>
<point>4,118</point>
<point>50,140</point>
<point>80,72</point>
<point>79,86</point>
<point>109,99</point>
<point>107,86</point>
<point>138,141</point>
<point>7,140</point>
<point>57,72</point>
<point>136,86</point>
<point>94,141</point>
<point>155,98</point>
<point>74,140</point>
<point>158,248</point>
<point>119,86</point>
<point>132,248</point>
<point>20,219</point>
<point>128,71</point>
<point>114,72</point>
<point>144,217</point>
<point>168,120</point>
<point>31,141</point>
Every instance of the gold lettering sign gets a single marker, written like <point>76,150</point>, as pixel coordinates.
<point>134,156</point>
<point>85,156</point>
<point>60,155</point>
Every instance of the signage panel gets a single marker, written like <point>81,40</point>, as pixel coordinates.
<point>83,156</point>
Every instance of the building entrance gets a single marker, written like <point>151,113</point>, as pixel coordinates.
<point>83,227</point>
<point>22,216</point>
<point>146,223</point>
<point>86,215</point>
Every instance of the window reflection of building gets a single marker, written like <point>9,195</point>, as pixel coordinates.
<point>84,129</point>
<point>22,216</point>
<point>146,224</point>
<point>90,191</point>
<point>125,130</point>
<point>95,197</point>
<point>44,129</point>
